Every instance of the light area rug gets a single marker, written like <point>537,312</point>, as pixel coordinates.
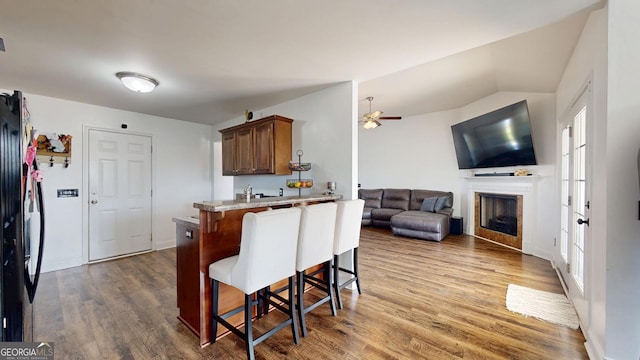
<point>551,307</point>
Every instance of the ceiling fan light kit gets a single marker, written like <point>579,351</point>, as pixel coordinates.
<point>371,118</point>
<point>137,82</point>
<point>372,124</point>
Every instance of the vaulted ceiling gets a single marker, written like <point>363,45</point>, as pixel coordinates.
<point>214,59</point>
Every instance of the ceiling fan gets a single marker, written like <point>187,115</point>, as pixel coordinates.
<point>371,118</point>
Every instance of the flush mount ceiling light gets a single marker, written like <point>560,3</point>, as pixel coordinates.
<point>137,82</point>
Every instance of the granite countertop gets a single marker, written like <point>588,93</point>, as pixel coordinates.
<point>187,220</point>
<point>262,202</point>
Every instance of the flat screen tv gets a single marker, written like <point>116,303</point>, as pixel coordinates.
<point>500,138</point>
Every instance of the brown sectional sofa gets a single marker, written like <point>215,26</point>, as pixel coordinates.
<point>400,210</point>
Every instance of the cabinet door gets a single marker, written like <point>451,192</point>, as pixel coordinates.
<point>228,153</point>
<point>263,149</point>
<point>244,152</point>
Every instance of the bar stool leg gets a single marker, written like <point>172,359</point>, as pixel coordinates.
<point>336,279</point>
<point>267,297</point>
<point>214,310</point>
<point>260,296</point>
<point>355,269</point>
<point>300,302</point>
<point>248,330</point>
<point>327,276</point>
<point>292,310</point>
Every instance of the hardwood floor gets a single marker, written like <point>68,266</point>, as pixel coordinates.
<point>420,300</point>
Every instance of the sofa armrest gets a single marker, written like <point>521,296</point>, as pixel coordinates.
<point>446,211</point>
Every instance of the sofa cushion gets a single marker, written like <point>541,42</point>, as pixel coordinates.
<point>429,204</point>
<point>418,196</point>
<point>372,197</point>
<point>441,201</point>
<point>396,199</point>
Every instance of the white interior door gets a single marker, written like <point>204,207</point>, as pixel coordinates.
<point>119,194</point>
<point>575,204</point>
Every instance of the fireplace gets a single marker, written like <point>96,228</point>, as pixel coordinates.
<point>525,189</point>
<point>499,213</point>
<point>499,218</point>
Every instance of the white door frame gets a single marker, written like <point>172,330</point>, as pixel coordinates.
<point>85,185</point>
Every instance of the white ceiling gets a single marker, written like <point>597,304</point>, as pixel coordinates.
<point>216,58</point>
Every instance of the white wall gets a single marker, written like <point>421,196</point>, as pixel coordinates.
<point>622,191</point>
<point>181,172</point>
<point>417,152</point>
<point>589,63</point>
<point>323,128</point>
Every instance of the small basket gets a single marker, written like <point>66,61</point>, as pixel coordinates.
<point>299,183</point>
<point>294,166</point>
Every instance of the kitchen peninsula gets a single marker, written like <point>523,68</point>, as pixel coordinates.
<point>215,235</point>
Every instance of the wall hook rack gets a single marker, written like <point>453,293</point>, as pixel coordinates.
<point>54,149</point>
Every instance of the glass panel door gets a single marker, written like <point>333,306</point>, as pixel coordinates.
<point>574,160</point>
<point>565,210</point>
<point>581,204</point>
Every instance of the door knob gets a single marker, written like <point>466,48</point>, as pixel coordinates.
<point>580,222</point>
<point>94,201</point>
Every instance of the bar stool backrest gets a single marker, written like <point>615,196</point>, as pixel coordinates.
<point>267,249</point>
<point>348,222</point>
<point>317,229</point>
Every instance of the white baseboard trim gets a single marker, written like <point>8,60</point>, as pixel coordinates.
<point>165,244</point>
<point>594,349</point>
<point>61,264</point>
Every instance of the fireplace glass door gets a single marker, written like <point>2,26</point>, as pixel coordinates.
<point>499,213</point>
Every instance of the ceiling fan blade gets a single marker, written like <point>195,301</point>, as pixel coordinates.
<point>375,114</point>
<point>390,117</point>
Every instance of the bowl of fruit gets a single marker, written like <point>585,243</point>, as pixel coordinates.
<point>299,166</point>
<point>299,183</point>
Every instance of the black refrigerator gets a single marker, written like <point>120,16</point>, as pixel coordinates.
<point>21,205</point>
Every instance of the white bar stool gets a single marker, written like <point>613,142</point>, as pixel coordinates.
<point>315,246</point>
<point>268,249</point>
<point>347,237</point>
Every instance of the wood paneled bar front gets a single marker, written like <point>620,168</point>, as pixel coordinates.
<point>215,235</point>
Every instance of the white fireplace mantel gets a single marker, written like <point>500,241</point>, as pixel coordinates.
<point>509,185</point>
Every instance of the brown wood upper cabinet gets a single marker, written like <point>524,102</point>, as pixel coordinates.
<point>262,146</point>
